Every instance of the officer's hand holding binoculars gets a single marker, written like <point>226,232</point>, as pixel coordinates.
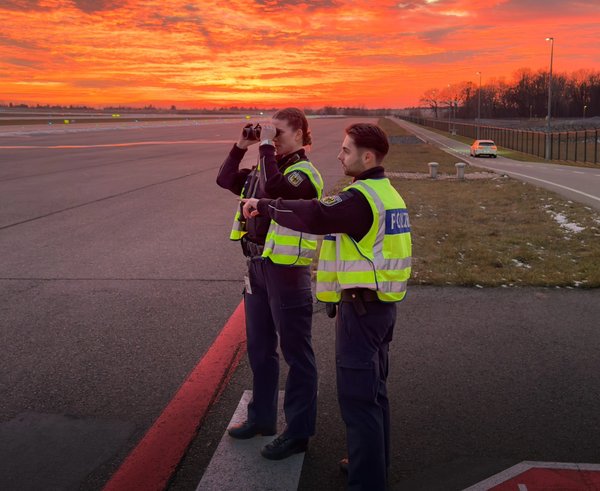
<point>250,208</point>
<point>253,134</point>
<point>247,137</point>
<point>268,131</point>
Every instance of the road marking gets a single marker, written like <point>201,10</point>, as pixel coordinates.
<point>237,464</point>
<point>110,145</point>
<point>156,457</point>
<point>578,172</point>
<point>523,467</point>
<point>518,174</point>
<point>554,184</point>
<point>522,487</point>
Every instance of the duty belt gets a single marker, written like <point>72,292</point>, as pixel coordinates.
<point>364,294</point>
<point>252,249</point>
<point>358,297</point>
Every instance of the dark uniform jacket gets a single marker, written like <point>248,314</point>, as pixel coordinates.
<point>272,183</point>
<point>348,212</point>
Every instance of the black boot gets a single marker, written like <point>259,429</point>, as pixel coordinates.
<point>283,447</point>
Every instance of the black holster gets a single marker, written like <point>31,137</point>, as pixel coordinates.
<point>331,309</point>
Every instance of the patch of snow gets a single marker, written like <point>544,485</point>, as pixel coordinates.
<point>564,223</point>
<point>519,264</point>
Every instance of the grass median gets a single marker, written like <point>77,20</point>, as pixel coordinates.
<point>493,232</point>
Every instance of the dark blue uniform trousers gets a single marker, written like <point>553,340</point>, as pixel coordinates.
<point>281,304</point>
<point>362,343</point>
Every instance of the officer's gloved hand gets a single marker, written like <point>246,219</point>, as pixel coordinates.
<point>331,308</point>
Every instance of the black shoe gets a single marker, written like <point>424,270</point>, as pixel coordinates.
<point>344,466</point>
<point>248,430</point>
<point>283,447</point>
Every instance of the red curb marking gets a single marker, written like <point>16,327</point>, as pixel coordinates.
<point>552,479</point>
<point>153,461</point>
<point>543,476</point>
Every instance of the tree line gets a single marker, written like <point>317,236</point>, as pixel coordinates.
<point>326,110</point>
<point>574,95</point>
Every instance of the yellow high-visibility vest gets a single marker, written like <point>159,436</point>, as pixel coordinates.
<point>381,260</point>
<point>283,245</point>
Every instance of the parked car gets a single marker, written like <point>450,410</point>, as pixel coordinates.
<point>484,147</point>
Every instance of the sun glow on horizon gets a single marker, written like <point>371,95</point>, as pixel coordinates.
<point>271,52</point>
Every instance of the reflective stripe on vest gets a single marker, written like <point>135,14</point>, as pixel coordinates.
<point>286,246</point>
<point>380,261</point>
<point>238,229</point>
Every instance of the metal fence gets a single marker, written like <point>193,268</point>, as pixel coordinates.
<point>573,146</point>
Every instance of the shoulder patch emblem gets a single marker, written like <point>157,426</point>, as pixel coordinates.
<point>331,200</point>
<point>296,178</point>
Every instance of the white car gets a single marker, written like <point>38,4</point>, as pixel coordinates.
<point>484,147</point>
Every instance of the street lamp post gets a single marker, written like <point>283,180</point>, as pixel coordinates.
<point>548,146</point>
<point>479,105</point>
<point>584,108</point>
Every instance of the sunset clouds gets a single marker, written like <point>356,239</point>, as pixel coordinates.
<point>276,52</point>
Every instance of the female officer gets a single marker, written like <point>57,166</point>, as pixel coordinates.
<point>277,297</point>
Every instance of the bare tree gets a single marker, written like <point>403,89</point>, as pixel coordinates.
<point>431,98</point>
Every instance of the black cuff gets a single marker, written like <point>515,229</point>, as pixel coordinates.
<point>266,150</point>
<point>263,206</point>
<point>237,152</point>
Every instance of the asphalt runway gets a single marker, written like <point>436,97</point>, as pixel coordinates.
<point>116,276</point>
<point>480,380</point>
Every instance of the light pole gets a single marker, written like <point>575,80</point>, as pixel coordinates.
<point>449,110</point>
<point>548,146</point>
<point>584,108</point>
<point>478,105</point>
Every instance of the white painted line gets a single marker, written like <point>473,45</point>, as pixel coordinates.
<point>522,487</point>
<point>518,174</point>
<point>499,478</point>
<point>578,172</point>
<point>554,184</point>
<point>238,465</point>
<point>515,470</point>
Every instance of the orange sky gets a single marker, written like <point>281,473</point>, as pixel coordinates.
<point>279,52</point>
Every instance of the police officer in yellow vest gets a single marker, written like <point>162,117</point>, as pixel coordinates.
<point>278,296</point>
<point>364,266</point>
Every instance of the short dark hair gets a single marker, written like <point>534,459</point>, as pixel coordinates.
<point>297,120</point>
<point>370,137</point>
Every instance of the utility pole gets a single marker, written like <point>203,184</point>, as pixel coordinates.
<point>548,127</point>
<point>478,105</point>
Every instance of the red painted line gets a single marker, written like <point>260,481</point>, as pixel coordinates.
<point>153,461</point>
<point>536,476</point>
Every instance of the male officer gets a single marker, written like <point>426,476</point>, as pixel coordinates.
<point>364,266</point>
<point>278,297</point>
